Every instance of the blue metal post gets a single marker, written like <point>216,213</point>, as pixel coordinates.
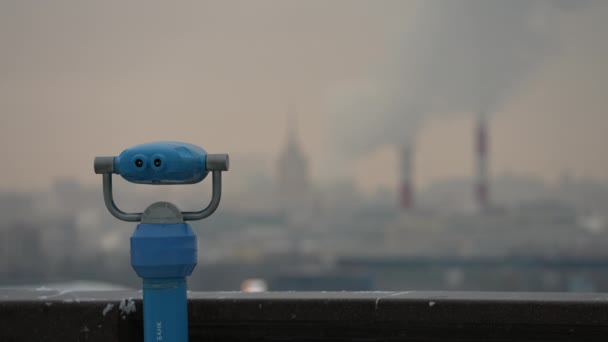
<point>164,255</point>
<point>165,309</point>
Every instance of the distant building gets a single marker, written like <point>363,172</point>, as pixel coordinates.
<point>294,185</point>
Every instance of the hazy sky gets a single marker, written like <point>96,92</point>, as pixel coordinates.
<point>80,79</point>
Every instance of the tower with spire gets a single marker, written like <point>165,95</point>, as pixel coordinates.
<point>293,186</point>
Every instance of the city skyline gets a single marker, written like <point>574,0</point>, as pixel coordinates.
<point>90,81</point>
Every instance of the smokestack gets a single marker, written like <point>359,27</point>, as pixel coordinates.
<point>482,195</point>
<point>407,190</point>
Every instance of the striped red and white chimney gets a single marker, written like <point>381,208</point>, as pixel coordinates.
<point>407,189</point>
<point>482,195</point>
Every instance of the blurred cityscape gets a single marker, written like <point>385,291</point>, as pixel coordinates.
<point>375,145</point>
<point>481,233</point>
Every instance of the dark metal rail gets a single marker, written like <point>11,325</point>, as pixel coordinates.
<point>313,316</point>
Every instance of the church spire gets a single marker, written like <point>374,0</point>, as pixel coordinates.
<point>293,173</point>
<point>292,125</point>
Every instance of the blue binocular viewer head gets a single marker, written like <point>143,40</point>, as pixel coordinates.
<point>166,163</point>
<point>162,163</point>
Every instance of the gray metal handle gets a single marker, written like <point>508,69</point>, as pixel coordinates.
<point>103,165</point>
<point>109,201</point>
<point>216,195</point>
<point>216,163</point>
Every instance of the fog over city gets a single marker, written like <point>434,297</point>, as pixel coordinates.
<point>220,73</point>
<point>357,130</point>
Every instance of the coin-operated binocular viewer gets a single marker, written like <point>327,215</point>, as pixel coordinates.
<point>163,246</point>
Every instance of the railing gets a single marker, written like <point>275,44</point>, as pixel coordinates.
<point>313,316</point>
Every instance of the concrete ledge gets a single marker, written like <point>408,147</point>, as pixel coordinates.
<point>42,315</point>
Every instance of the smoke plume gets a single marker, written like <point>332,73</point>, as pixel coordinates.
<point>464,56</point>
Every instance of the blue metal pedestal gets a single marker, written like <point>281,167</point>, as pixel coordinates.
<point>163,255</point>
<point>165,310</point>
